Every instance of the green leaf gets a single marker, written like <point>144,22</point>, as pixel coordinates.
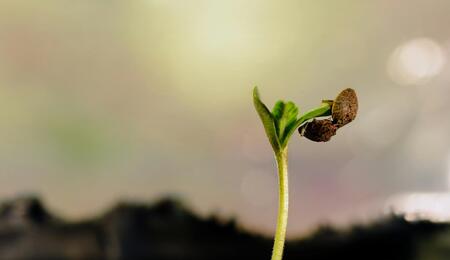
<point>290,113</point>
<point>277,110</point>
<point>323,110</point>
<point>289,116</point>
<point>290,123</point>
<point>267,120</point>
<point>284,115</point>
<point>277,113</point>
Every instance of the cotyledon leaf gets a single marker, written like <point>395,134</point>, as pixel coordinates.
<point>277,110</point>
<point>267,120</point>
<point>277,114</point>
<point>284,115</point>
<point>288,118</point>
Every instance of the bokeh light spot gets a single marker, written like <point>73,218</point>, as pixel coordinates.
<point>421,206</point>
<point>416,61</point>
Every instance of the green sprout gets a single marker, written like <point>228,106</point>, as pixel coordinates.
<point>279,125</point>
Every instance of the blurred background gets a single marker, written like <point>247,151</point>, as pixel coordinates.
<point>108,100</point>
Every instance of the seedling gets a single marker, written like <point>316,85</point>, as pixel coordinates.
<point>279,125</point>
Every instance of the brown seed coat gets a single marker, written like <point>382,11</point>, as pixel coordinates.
<point>318,130</point>
<point>345,107</point>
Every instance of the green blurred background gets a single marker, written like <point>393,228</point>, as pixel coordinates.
<point>106,100</point>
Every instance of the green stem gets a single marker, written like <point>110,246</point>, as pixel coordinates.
<point>283,205</point>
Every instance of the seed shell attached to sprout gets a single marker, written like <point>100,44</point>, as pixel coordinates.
<point>318,130</point>
<point>344,108</point>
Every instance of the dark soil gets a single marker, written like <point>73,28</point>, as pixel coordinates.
<point>167,230</point>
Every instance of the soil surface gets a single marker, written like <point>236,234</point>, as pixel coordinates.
<point>167,230</point>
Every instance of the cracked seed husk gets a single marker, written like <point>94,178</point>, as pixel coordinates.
<point>345,107</point>
<point>318,130</point>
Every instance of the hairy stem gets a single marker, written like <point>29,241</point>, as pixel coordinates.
<point>283,205</point>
